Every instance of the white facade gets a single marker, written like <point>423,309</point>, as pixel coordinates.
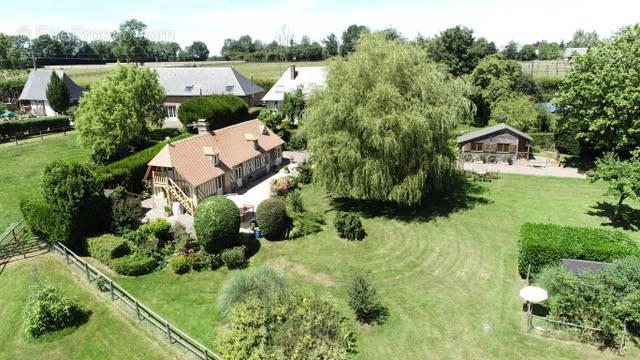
<point>307,78</point>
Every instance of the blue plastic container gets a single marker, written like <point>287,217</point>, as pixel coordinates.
<point>258,234</point>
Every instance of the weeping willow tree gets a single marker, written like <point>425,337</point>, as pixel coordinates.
<point>381,129</point>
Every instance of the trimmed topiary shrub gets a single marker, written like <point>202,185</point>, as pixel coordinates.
<point>49,310</point>
<point>349,226</point>
<point>43,221</point>
<point>547,244</point>
<point>159,227</point>
<point>272,219</point>
<point>179,265</point>
<point>217,223</point>
<point>234,258</point>
<point>134,265</point>
<point>260,282</point>
<point>108,247</point>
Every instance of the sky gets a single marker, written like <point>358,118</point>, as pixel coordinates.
<point>212,21</point>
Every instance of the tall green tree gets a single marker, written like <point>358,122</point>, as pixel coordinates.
<point>510,51</point>
<point>456,47</point>
<point>350,38</point>
<point>13,52</point>
<point>381,128</point>
<point>518,111</point>
<point>115,116</point>
<point>623,177</point>
<point>583,38</point>
<point>330,45</point>
<point>129,42</point>
<point>293,104</point>
<point>58,94</point>
<point>527,53</point>
<point>198,51</point>
<point>600,97</point>
<point>549,51</point>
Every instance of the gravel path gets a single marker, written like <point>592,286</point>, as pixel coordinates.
<point>528,170</point>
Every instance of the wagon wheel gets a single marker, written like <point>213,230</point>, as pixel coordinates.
<point>492,159</point>
<point>467,157</point>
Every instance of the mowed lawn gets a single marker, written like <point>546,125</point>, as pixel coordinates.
<point>110,333</point>
<point>449,279</point>
<point>263,71</point>
<point>21,167</point>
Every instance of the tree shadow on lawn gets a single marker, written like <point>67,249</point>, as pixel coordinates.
<point>250,243</point>
<point>628,217</point>
<point>464,195</point>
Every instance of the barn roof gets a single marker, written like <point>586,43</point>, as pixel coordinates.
<point>36,86</point>
<point>490,130</point>
<point>308,78</point>
<point>577,266</point>
<point>205,81</point>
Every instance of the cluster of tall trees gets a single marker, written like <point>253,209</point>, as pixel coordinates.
<point>127,44</point>
<point>545,50</point>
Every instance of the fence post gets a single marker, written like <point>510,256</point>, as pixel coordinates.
<point>111,287</point>
<point>166,324</point>
<point>137,309</point>
<point>16,139</point>
<point>86,268</point>
<point>206,354</point>
<point>66,255</point>
<point>41,138</point>
<point>24,251</point>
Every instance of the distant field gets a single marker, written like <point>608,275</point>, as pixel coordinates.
<point>108,334</point>
<point>22,166</point>
<point>87,76</point>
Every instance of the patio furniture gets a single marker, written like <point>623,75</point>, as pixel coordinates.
<point>493,175</point>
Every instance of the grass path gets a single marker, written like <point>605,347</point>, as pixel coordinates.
<point>108,334</point>
<point>21,167</point>
<point>450,282</point>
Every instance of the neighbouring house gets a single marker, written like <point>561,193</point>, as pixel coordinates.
<point>569,53</point>
<point>495,143</point>
<point>181,84</point>
<point>308,78</point>
<point>214,162</point>
<point>33,98</point>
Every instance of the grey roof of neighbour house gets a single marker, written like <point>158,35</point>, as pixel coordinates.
<point>490,130</point>
<point>568,52</point>
<point>36,86</point>
<point>194,81</point>
<point>577,266</point>
<point>308,77</point>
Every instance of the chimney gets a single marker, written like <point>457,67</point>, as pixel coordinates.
<point>202,127</point>
<point>292,71</point>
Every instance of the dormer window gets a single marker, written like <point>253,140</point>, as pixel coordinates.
<point>215,156</point>
<point>228,89</point>
<point>216,160</point>
<point>263,130</point>
<point>188,88</point>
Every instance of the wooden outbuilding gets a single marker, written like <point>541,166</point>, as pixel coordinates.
<point>493,144</point>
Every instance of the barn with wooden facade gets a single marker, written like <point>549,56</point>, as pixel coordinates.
<point>493,144</point>
<point>214,162</point>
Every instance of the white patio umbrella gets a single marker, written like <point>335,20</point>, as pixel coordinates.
<point>533,294</point>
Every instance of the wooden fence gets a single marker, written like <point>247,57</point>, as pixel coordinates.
<point>18,240</point>
<point>14,138</point>
<point>142,312</point>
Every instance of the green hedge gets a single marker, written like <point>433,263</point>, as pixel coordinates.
<point>218,110</point>
<point>547,244</point>
<point>217,223</point>
<point>108,247</point>
<point>134,265</point>
<point>543,141</point>
<point>129,171</point>
<point>35,125</point>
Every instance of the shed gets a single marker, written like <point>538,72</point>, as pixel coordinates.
<point>495,143</point>
<point>34,94</point>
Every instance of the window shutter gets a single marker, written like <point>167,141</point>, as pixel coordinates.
<point>512,148</point>
<point>467,147</point>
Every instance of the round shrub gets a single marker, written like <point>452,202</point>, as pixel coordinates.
<point>108,247</point>
<point>349,226</point>
<point>217,223</point>
<point>159,227</point>
<point>179,265</point>
<point>260,282</point>
<point>273,219</point>
<point>134,265</point>
<point>234,258</point>
<point>49,310</point>
<point>125,214</point>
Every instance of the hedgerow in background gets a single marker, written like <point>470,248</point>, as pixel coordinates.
<point>548,244</point>
<point>286,327</point>
<point>217,223</point>
<point>115,116</point>
<point>49,310</point>
<point>349,226</point>
<point>364,146</point>
<point>260,282</point>
<point>364,299</point>
<point>33,126</point>
<point>272,219</point>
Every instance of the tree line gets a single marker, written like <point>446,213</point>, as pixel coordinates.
<point>127,44</point>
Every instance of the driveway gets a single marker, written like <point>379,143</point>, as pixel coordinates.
<point>527,170</point>
<point>260,191</point>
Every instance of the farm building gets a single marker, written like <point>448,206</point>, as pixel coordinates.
<point>307,78</point>
<point>570,53</point>
<point>214,162</point>
<point>181,84</point>
<point>33,98</point>
<point>495,143</point>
